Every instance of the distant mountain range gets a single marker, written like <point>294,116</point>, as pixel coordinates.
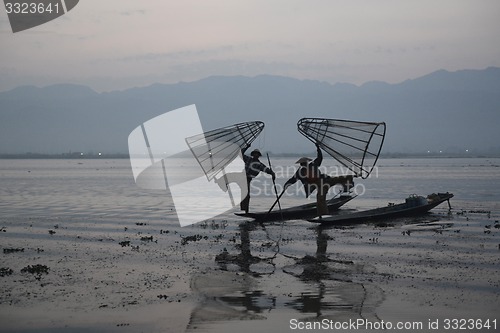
<point>443,111</point>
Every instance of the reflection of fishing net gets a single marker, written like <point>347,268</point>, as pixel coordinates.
<point>215,149</point>
<point>355,144</point>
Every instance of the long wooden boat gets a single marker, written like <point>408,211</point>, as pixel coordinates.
<point>298,212</point>
<point>413,206</point>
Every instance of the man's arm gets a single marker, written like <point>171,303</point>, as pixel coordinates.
<point>291,181</point>
<point>319,158</point>
<point>270,172</point>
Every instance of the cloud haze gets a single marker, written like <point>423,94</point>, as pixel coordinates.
<point>115,44</point>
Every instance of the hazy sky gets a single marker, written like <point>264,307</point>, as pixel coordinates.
<point>117,44</point>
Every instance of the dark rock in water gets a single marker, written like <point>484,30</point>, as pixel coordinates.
<point>37,270</point>
<point>5,271</point>
<point>12,250</point>
<point>147,239</point>
<point>193,238</point>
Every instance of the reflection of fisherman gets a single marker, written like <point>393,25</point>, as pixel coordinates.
<point>252,169</point>
<point>312,179</point>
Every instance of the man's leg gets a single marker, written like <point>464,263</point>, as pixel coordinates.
<point>321,206</point>
<point>346,182</point>
<point>245,203</point>
<point>324,186</point>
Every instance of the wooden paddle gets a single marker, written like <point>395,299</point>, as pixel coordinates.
<point>277,201</point>
<point>275,190</point>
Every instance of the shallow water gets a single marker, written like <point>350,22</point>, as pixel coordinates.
<point>106,187</point>
<point>241,275</point>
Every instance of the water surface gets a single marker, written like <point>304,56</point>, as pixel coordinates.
<point>242,275</point>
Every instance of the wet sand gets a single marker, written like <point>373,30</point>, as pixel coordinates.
<point>124,274</point>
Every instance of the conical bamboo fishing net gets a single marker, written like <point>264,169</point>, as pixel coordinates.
<point>355,144</point>
<point>215,149</point>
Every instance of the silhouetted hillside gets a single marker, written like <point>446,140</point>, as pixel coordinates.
<point>449,111</point>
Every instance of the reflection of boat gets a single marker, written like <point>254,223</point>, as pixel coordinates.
<point>414,205</point>
<point>298,212</point>
<point>312,288</point>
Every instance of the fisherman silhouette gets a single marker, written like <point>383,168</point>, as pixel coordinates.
<point>253,166</point>
<point>312,179</point>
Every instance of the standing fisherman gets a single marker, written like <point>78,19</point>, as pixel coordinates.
<point>312,179</point>
<point>253,166</point>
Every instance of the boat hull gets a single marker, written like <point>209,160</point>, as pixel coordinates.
<point>299,212</point>
<point>389,212</point>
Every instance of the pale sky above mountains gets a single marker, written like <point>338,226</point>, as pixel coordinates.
<point>118,44</point>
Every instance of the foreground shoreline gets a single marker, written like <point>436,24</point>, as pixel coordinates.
<point>115,275</point>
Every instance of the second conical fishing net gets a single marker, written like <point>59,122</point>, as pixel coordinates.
<point>355,144</point>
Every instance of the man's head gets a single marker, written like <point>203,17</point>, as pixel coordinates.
<point>303,161</point>
<point>255,153</point>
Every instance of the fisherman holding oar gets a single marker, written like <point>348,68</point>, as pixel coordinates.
<point>253,166</point>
